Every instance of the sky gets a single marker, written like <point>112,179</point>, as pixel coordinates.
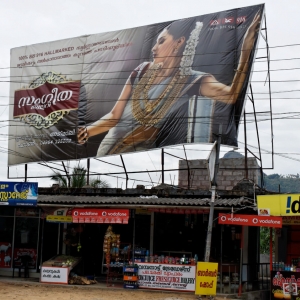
<point>32,21</point>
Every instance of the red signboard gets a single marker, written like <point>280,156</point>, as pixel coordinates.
<point>94,215</point>
<point>250,220</point>
<point>46,99</point>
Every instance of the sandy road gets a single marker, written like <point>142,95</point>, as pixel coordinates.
<point>35,291</point>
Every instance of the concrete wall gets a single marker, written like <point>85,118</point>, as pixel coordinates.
<point>231,171</point>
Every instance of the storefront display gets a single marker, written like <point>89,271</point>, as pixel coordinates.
<point>130,276</point>
<point>58,268</point>
<point>284,284</point>
<point>167,276</point>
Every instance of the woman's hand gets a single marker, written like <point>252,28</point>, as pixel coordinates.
<point>211,88</point>
<point>251,33</point>
<point>82,135</point>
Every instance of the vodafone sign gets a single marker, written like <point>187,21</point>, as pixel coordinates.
<point>93,215</point>
<point>250,220</point>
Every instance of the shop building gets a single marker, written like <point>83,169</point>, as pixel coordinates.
<point>163,222</point>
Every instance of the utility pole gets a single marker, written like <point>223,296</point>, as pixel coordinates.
<point>213,166</point>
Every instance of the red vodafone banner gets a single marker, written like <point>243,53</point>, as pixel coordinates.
<point>94,215</point>
<point>250,220</point>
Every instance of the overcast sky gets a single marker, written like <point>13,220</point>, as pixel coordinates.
<point>30,22</point>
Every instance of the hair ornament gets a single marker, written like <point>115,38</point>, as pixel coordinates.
<point>190,50</point>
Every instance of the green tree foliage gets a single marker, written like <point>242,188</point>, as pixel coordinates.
<point>78,179</point>
<point>284,183</point>
<point>265,240</point>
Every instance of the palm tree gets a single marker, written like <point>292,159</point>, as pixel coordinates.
<point>98,183</point>
<point>78,179</point>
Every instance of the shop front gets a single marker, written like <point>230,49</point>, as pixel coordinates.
<point>158,241</point>
<point>19,227</point>
<point>285,268</point>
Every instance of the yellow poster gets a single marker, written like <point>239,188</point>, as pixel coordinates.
<point>206,278</point>
<point>63,219</point>
<point>279,205</point>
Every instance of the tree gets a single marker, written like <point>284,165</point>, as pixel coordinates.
<point>78,179</point>
<point>265,240</point>
<point>98,183</point>
<point>284,183</point>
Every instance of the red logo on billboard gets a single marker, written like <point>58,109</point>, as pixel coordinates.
<point>241,19</point>
<point>215,22</point>
<point>229,20</point>
<point>250,220</point>
<point>46,100</point>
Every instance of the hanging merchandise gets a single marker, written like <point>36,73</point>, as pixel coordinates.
<point>111,245</point>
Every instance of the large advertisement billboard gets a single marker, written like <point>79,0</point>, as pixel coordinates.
<point>131,90</point>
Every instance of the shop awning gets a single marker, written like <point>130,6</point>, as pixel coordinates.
<point>140,201</point>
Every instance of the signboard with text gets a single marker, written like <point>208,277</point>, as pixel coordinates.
<point>206,278</point>
<point>281,287</point>
<point>166,277</point>
<point>108,93</point>
<point>54,275</point>
<point>250,220</point>
<point>279,205</point>
<point>18,193</point>
<point>94,215</point>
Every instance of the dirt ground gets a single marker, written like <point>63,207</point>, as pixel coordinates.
<point>28,291</point>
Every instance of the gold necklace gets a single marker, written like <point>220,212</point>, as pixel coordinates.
<point>145,116</point>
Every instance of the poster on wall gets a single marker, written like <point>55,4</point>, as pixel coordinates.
<point>19,193</point>
<point>132,90</point>
<point>31,256</point>
<point>5,255</point>
<point>166,277</point>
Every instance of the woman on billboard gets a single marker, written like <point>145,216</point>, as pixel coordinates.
<point>153,107</point>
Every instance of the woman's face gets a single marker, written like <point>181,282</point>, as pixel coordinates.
<point>164,47</point>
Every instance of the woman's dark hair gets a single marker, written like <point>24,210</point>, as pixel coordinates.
<point>181,28</point>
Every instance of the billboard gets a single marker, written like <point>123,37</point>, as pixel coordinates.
<point>134,89</point>
<point>18,193</point>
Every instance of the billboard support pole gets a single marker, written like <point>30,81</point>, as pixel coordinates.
<point>213,195</point>
<point>25,172</point>
<point>162,166</point>
<point>88,172</point>
<point>67,174</point>
<point>125,171</point>
<point>245,139</point>
<point>188,168</point>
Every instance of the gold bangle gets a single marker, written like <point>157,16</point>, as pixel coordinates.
<point>238,71</point>
<point>87,135</point>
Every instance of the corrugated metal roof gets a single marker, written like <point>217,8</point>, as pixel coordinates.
<point>135,200</point>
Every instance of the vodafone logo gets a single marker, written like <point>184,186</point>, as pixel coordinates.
<point>104,214</point>
<point>223,218</point>
<point>76,213</point>
<point>255,221</point>
<point>117,214</point>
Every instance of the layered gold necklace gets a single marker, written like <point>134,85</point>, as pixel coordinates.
<point>150,114</point>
